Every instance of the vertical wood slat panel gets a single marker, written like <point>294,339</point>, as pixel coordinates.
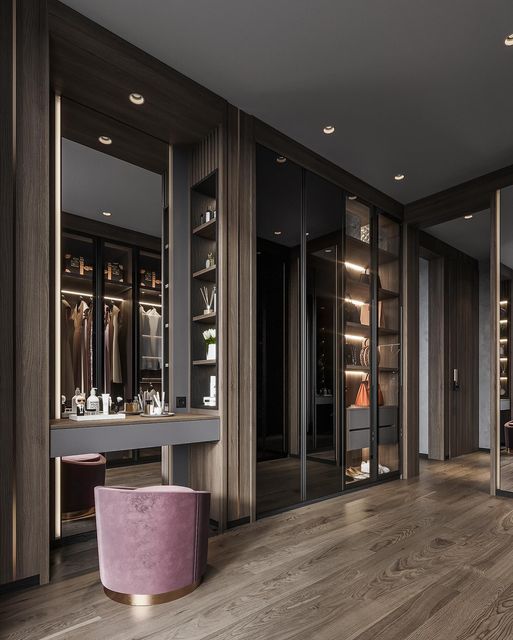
<point>204,157</point>
<point>207,462</point>
<point>7,289</point>
<point>233,320</point>
<point>247,320</point>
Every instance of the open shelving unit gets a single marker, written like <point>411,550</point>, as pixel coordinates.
<point>204,242</point>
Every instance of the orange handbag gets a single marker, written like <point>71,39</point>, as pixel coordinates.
<point>363,395</point>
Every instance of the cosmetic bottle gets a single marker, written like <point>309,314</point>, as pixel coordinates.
<point>106,403</point>
<point>93,402</point>
<point>74,400</point>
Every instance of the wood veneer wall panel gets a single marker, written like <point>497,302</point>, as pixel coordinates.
<point>410,396</point>
<point>32,224</point>
<point>436,360</point>
<point>233,313</point>
<point>7,289</point>
<point>241,315</point>
<point>207,462</point>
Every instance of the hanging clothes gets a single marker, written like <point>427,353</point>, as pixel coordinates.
<point>117,375</point>
<point>112,370</point>
<point>151,338</point>
<point>107,368</point>
<point>82,328</point>
<point>67,334</point>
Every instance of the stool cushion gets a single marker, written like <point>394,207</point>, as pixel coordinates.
<point>85,457</point>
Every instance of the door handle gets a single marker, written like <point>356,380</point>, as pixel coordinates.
<point>455,379</point>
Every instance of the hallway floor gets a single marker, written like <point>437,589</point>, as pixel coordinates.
<point>430,558</point>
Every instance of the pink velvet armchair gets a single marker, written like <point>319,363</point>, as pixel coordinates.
<point>152,542</point>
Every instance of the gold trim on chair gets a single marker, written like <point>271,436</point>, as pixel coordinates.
<point>78,515</point>
<point>138,600</point>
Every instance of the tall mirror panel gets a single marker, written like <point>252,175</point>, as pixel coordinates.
<point>505,434</point>
<point>278,212</point>
<point>111,329</point>
<point>324,259</point>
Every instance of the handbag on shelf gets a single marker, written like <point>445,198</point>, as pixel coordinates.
<point>351,354</point>
<point>365,278</point>
<point>363,395</point>
<point>365,311</point>
<point>351,313</point>
<point>365,354</point>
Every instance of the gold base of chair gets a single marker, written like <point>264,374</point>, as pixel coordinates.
<point>78,515</point>
<point>137,600</point>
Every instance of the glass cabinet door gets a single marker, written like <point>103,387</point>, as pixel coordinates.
<point>279,437</point>
<point>150,321</point>
<point>77,315</point>
<point>357,344</point>
<point>117,321</point>
<point>324,232</point>
<point>389,353</point>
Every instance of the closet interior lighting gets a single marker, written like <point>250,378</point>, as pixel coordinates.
<point>355,373</point>
<point>349,336</point>
<point>90,295</point>
<point>355,267</point>
<point>149,304</point>
<point>503,303</point>
<point>503,322</point>
<point>358,303</point>
<point>503,340</point>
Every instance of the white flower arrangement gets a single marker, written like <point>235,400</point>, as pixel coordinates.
<point>209,336</point>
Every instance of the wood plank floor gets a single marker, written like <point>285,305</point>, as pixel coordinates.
<point>419,560</point>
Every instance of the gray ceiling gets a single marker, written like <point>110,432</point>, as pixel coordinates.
<point>93,182</point>
<point>470,236</point>
<point>473,236</point>
<point>421,87</point>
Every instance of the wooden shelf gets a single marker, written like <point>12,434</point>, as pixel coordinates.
<point>359,291</point>
<point>204,363</point>
<point>206,318</point>
<point>363,250</point>
<point>355,367</point>
<point>364,330</point>
<point>206,230</point>
<point>208,274</point>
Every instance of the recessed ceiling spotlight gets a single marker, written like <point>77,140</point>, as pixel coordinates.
<point>107,214</point>
<point>105,140</point>
<point>277,233</point>
<point>509,40</point>
<point>329,129</point>
<point>352,197</point>
<point>469,217</point>
<point>399,176</point>
<point>281,159</point>
<point>136,98</point>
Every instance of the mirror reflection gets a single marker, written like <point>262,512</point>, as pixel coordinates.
<point>112,339</point>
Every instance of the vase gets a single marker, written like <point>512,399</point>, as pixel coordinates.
<point>211,352</point>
